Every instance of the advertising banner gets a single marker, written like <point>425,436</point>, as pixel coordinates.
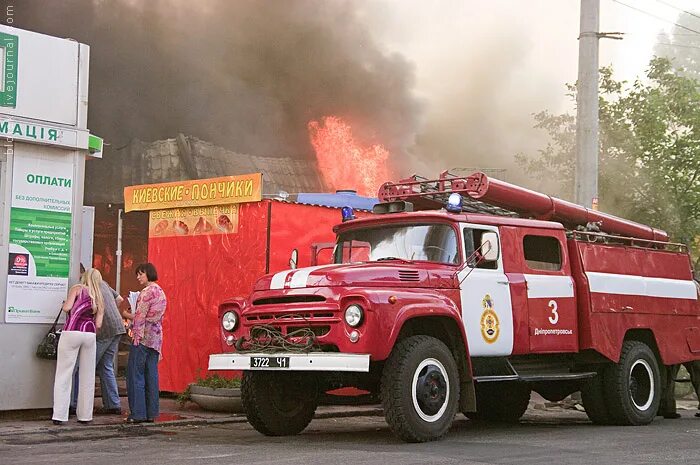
<point>193,221</point>
<point>39,241</point>
<point>195,193</point>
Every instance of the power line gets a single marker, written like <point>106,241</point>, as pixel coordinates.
<point>657,17</point>
<point>678,45</point>
<point>661,34</point>
<point>679,9</point>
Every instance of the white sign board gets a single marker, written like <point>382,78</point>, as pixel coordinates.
<point>40,235</point>
<point>27,60</point>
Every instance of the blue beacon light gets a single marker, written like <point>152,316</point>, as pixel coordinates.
<point>347,214</point>
<point>454,203</point>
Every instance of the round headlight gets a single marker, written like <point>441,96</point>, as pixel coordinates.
<point>229,321</point>
<point>353,315</point>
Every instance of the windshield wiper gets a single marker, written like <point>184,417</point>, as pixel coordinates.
<point>403,260</point>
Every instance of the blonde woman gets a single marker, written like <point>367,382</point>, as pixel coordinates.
<point>85,307</point>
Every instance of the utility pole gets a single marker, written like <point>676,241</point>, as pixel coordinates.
<point>586,175</point>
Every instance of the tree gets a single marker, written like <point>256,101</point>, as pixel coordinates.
<point>682,46</point>
<point>649,165</point>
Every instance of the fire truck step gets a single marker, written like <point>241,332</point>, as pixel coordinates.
<point>534,377</point>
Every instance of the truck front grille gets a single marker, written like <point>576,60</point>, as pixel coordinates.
<point>272,318</point>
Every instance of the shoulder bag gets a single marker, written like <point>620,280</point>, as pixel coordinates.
<point>48,347</point>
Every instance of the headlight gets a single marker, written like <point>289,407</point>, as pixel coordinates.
<point>354,315</point>
<point>229,321</point>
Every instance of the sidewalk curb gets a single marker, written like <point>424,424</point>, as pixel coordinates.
<point>71,428</point>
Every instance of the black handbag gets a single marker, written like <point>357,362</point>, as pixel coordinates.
<point>48,347</point>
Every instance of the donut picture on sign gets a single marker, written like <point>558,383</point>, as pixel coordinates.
<point>202,226</point>
<point>161,227</point>
<point>224,223</point>
<point>181,229</point>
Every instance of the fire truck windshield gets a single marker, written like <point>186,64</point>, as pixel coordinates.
<point>429,242</point>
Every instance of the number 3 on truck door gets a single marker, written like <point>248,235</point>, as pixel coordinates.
<point>555,316</point>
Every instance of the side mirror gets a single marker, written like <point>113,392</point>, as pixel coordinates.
<point>489,246</point>
<point>294,259</point>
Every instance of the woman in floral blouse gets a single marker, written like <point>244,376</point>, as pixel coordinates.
<point>147,332</point>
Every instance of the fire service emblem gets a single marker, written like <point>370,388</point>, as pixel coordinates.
<point>489,321</point>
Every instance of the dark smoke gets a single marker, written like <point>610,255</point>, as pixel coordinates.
<point>246,75</point>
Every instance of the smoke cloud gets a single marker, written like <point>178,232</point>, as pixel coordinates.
<point>247,75</point>
<point>439,84</point>
<point>483,70</point>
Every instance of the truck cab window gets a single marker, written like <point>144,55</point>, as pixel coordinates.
<point>435,242</point>
<point>542,253</point>
<point>472,241</point>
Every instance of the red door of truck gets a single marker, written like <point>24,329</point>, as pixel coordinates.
<point>551,304</point>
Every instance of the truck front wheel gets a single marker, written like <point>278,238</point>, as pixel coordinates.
<point>420,389</point>
<point>279,404</point>
<point>633,385</point>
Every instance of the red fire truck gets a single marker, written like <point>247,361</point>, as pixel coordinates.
<point>468,308</point>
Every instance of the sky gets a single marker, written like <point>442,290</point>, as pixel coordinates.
<point>431,33</point>
<point>492,64</point>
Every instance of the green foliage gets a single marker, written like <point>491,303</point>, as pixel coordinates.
<point>649,163</point>
<point>184,396</point>
<point>215,381</point>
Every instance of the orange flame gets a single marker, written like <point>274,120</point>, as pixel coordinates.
<point>343,162</point>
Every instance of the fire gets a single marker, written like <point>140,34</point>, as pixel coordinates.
<point>344,163</point>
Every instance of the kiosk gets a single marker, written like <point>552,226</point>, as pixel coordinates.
<point>44,142</point>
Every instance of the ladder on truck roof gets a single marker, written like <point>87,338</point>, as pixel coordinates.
<point>432,194</point>
<point>481,194</point>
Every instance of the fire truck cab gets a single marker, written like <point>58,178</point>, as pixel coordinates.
<point>468,309</point>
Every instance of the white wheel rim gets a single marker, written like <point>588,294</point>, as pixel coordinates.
<point>643,364</point>
<point>414,395</point>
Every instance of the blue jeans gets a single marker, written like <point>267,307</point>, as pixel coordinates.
<point>142,383</point>
<point>104,368</point>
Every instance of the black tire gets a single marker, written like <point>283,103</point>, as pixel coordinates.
<point>420,389</point>
<point>593,398</point>
<point>279,404</point>
<point>633,386</point>
<point>503,402</point>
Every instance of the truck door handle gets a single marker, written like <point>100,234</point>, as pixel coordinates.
<point>502,282</point>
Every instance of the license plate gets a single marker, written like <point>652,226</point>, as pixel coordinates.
<point>269,362</point>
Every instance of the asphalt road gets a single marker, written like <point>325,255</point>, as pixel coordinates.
<point>543,438</point>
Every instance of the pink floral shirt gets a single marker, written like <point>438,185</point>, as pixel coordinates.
<point>148,318</point>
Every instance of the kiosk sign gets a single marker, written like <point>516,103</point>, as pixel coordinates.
<point>225,190</point>
<point>40,230</point>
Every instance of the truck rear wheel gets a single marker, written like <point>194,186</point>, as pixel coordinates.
<point>633,386</point>
<point>593,398</point>
<point>503,402</point>
<point>420,389</point>
<point>279,404</point>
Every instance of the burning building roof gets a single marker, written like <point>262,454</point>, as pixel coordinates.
<point>186,157</point>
